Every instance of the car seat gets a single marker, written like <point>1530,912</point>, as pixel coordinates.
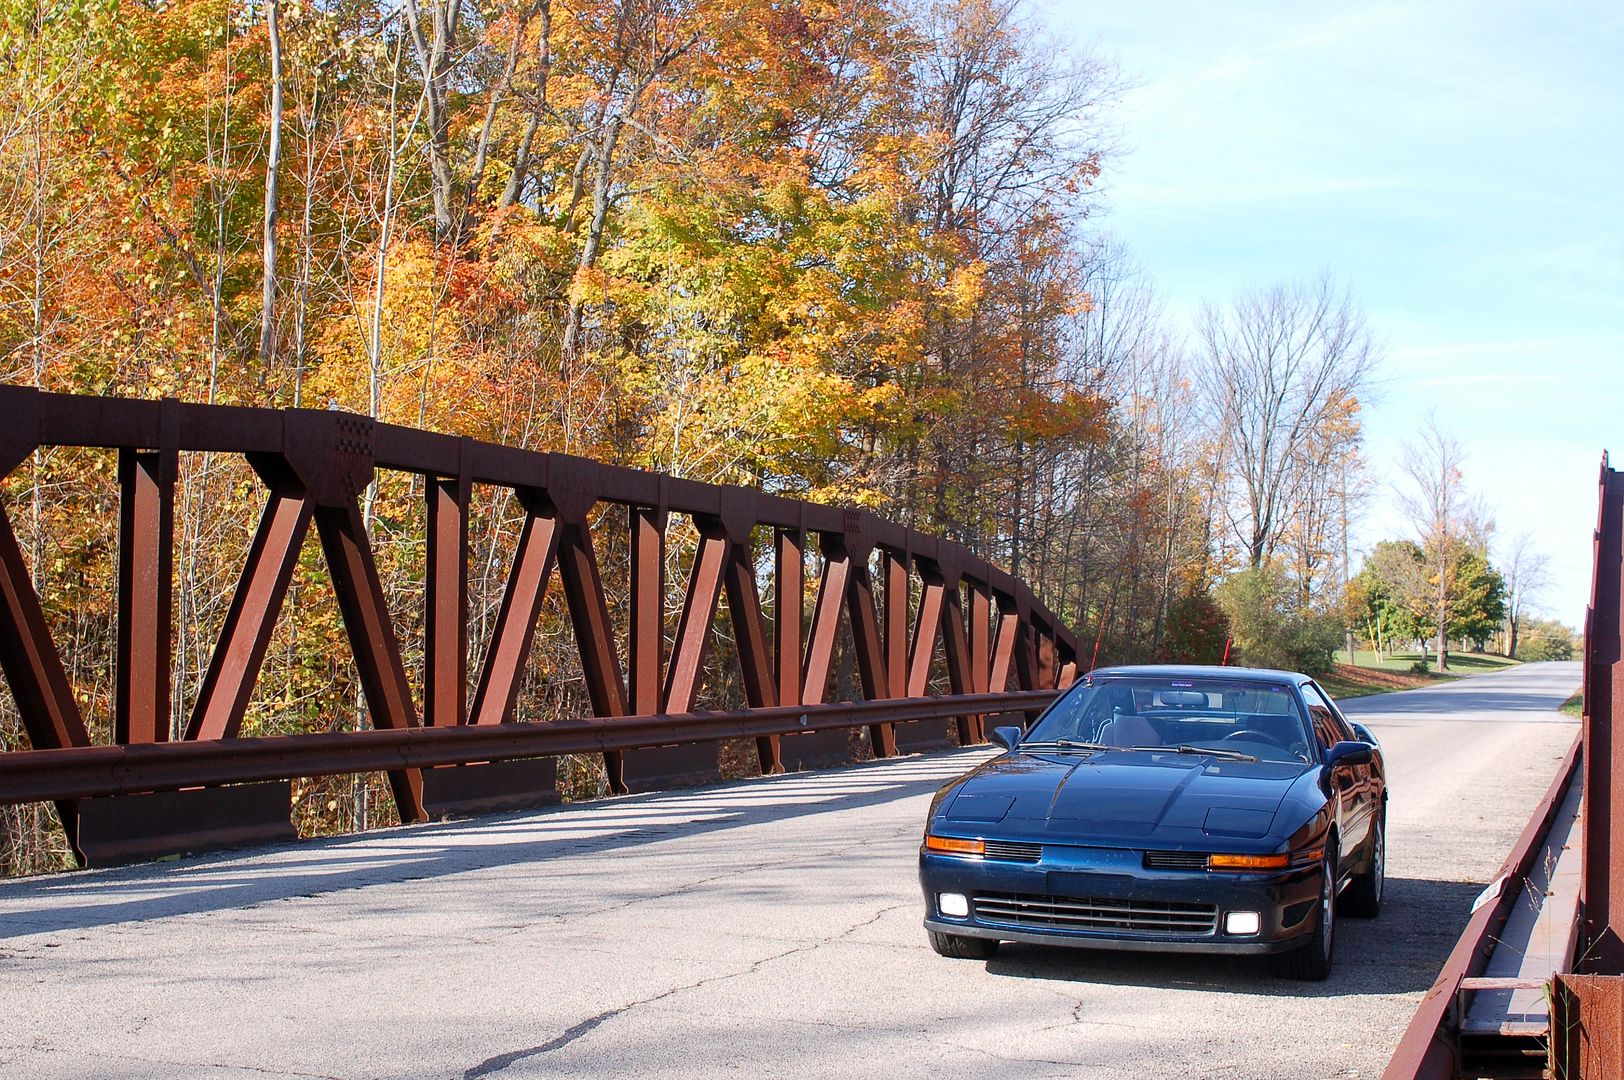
<point>1128,729</point>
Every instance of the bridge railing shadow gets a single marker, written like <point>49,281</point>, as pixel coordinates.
<point>232,880</point>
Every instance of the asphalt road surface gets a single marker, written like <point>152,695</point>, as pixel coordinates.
<point>768,928</point>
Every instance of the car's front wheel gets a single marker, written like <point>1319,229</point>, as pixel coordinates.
<point>962,948</point>
<point>1312,962</point>
<point>1363,896</point>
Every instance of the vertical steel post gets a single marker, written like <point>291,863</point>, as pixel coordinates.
<point>647,636</point>
<point>146,527</point>
<point>895,566</point>
<point>980,619</point>
<point>445,603</point>
<point>1602,887</point>
<point>789,576</point>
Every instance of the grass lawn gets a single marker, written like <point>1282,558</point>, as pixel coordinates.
<point>1458,661</point>
<point>1367,676</point>
<point>1574,706</point>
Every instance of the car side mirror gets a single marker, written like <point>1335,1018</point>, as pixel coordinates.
<point>1348,753</point>
<point>1007,737</point>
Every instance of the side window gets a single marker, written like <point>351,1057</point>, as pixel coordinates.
<point>1327,724</point>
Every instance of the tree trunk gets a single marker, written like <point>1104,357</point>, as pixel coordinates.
<point>273,163</point>
<point>1442,638</point>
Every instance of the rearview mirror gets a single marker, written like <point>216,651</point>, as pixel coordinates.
<point>1348,753</point>
<point>1007,737</point>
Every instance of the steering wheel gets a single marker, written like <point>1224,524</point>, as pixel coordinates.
<point>1253,735</point>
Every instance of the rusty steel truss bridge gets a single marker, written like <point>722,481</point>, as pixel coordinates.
<point>146,795</point>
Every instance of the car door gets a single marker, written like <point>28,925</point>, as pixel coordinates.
<point>1352,783</point>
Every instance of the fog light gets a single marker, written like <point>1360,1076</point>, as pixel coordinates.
<point>1242,922</point>
<point>954,904</point>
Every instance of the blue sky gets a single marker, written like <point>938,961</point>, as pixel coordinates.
<point>1459,165</point>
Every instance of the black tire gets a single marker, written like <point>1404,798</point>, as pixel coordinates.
<point>1363,897</point>
<point>962,948</point>
<point>1312,962</point>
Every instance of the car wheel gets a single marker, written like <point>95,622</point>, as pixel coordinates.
<point>962,948</point>
<point>1312,962</point>
<point>1363,896</point>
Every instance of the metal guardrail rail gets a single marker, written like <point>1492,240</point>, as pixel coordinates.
<point>986,627</point>
<point>1586,1036</point>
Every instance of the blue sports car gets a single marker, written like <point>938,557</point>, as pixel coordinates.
<point>1193,809</point>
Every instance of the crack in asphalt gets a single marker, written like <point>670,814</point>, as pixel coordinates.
<point>501,1061</point>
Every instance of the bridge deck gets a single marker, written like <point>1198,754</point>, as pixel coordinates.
<point>769,927</point>
<point>1538,939</point>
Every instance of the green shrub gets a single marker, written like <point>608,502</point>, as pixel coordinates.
<point>1197,630</point>
<point>1272,627</point>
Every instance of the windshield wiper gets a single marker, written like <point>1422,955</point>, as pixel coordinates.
<point>1186,748</point>
<point>1049,746</point>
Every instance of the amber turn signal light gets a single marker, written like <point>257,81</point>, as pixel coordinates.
<point>950,846</point>
<point>1248,862</point>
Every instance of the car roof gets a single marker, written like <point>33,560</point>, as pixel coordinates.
<point>1200,671</point>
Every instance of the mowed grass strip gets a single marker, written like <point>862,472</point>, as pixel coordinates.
<point>1370,674</point>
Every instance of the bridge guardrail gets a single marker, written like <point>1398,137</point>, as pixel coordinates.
<point>1586,1038</point>
<point>987,626</point>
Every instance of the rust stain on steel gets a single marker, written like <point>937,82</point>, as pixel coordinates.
<point>1428,1051</point>
<point>1587,1027</point>
<point>315,464</point>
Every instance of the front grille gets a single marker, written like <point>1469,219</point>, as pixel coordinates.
<point>1176,860</point>
<point>1014,851</point>
<point>1078,913</point>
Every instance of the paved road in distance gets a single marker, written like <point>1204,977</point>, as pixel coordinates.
<point>768,928</point>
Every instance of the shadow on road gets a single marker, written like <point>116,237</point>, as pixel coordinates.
<point>1481,707</point>
<point>226,881</point>
<point>1399,952</point>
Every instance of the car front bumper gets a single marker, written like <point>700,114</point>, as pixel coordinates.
<point>1092,886</point>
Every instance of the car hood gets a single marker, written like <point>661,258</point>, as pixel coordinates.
<point>1123,794</point>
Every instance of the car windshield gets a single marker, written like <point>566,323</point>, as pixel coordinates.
<point>1231,717</point>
